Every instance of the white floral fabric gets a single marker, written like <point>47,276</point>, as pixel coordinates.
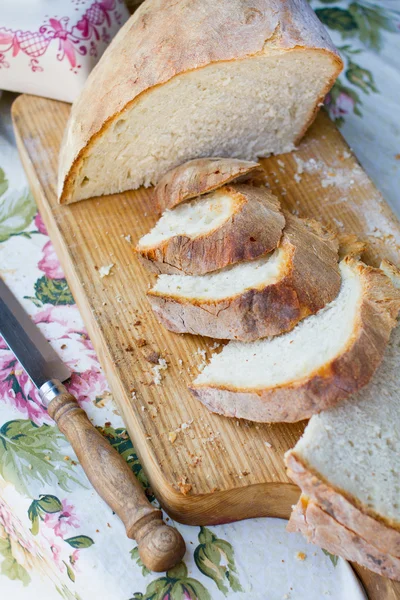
<point>57,537</point>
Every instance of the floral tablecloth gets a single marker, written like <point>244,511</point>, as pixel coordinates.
<point>57,538</point>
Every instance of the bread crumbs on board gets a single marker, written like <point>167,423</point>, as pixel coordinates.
<point>162,366</point>
<point>184,486</point>
<point>105,270</point>
<point>172,437</point>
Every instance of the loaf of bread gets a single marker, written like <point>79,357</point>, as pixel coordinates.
<point>182,80</point>
<point>324,359</point>
<point>257,298</point>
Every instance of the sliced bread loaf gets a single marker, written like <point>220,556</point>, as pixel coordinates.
<point>182,80</point>
<point>321,529</point>
<point>200,176</point>
<point>348,459</point>
<point>231,224</point>
<point>325,358</point>
<point>254,299</point>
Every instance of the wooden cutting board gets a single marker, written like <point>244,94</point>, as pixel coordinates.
<point>217,470</point>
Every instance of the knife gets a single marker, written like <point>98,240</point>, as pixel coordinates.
<point>160,546</point>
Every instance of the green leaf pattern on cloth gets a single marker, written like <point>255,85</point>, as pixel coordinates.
<point>332,557</point>
<point>16,210</point>
<point>59,516</point>
<point>9,566</point>
<point>52,291</point>
<point>215,558</point>
<point>175,585</point>
<point>29,452</point>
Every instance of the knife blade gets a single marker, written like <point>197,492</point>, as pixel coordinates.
<point>25,339</point>
<point>160,546</point>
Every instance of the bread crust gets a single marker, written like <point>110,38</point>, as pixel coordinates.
<point>200,176</point>
<point>321,529</point>
<point>163,39</point>
<point>310,279</point>
<point>254,229</point>
<point>335,381</point>
<point>343,507</point>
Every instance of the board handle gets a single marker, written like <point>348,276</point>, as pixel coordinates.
<point>160,546</point>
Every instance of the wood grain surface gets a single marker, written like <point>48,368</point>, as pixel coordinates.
<point>217,469</point>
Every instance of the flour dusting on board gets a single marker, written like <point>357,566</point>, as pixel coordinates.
<point>331,175</point>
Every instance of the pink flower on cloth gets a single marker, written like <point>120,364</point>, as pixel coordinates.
<point>89,385</point>
<point>63,328</point>
<point>344,105</point>
<point>40,225</point>
<point>49,263</point>
<point>17,389</point>
<point>62,522</point>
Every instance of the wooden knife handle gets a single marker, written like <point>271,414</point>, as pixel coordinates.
<point>160,546</point>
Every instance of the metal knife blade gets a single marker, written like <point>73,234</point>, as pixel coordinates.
<point>26,341</point>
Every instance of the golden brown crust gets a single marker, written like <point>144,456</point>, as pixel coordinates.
<point>324,531</point>
<point>350,245</point>
<point>254,229</point>
<point>309,280</point>
<point>200,176</point>
<point>335,381</point>
<point>343,507</point>
<point>163,39</point>
<point>391,271</point>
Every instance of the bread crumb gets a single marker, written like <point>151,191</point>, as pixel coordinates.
<point>153,412</point>
<point>128,238</point>
<point>184,426</point>
<point>268,444</point>
<point>215,345</point>
<point>162,366</point>
<point>141,342</point>
<point>153,357</point>
<point>184,486</point>
<point>180,361</point>
<point>172,436</point>
<point>105,270</point>
<point>297,178</point>
<point>133,395</point>
<point>301,555</point>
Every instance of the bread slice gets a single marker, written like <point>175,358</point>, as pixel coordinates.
<point>182,80</point>
<point>231,224</point>
<point>321,529</point>
<point>200,176</point>
<point>258,298</point>
<point>324,359</point>
<point>348,459</point>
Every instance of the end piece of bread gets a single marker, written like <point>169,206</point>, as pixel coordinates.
<point>183,80</point>
<point>229,225</point>
<point>200,176</point>
<point>254,299</point>
<point>324,359</point>
<point>319,528</point>
<point>348,459</point>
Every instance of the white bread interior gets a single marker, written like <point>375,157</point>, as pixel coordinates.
<point>190,219</point>
<point>243,108</point>
<point>225,283</point>
<point>355,447</point>
<point>293,356</point>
